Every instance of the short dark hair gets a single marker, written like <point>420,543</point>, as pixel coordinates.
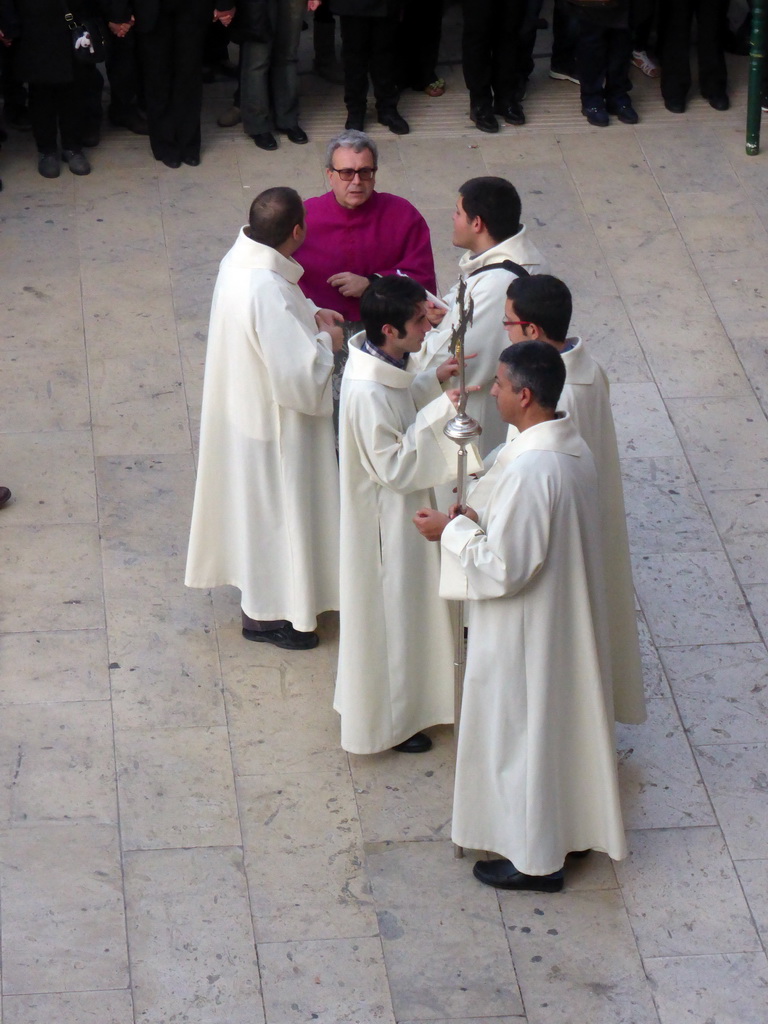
<point>496,202</point>
<point>537,366</point>
<point>274,214</point>
<point>389,300</point>
<point>545,301</point>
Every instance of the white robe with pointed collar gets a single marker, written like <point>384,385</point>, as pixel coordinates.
<point>266,511</point>
<point>395,673</point>
<point>536,766</point>
<point>486,337</point>
<point>586,397</point>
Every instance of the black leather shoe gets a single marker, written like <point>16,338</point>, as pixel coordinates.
<point>395,122</point>
<point>484,120</point>
<point>579,854</point>
<point>597,116</point>
<point>191,161</point>
<point>172,162</point>
<point>49,165</point>
<point>5,496</point>
<point>675,106</point>
<point>625,112</point>
<point>355,122</point>
<point>287,637</point>
<point>419,743</point>
<point>265,140</point>
<point>502,874</point>
<point>513,113</point>
<point>297,135</point>
<point>719,101</point>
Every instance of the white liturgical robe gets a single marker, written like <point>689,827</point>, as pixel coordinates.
<point>586,398</point>
<point>536,765</point>
<point>486,337</point>
<point>265,516</point>
<point>395,673</point>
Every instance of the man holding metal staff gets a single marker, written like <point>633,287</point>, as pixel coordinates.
<point>395,650</point>
<point>536,766</point>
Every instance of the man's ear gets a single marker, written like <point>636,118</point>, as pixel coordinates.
<point>388,331</point>
<point>296,233</point>
<point>478,225</point>
<point>535,330</point>
<point>526,397</point>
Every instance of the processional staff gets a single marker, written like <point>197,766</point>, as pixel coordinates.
<point>462,429</point>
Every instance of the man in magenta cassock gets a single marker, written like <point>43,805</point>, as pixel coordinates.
<point>355,234</point>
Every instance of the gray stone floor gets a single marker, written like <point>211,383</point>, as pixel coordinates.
<point>182,840</point>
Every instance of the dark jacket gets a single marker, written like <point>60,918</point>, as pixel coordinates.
<point>9,22</point>
<point>43,52</point>
<point>146,11</point>
<point>367,8</point>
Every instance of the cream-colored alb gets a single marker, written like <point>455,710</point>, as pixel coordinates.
<point>395,673</point>
<point>586,398</point>
<point>487,337</point>
<point>266,510</point>
<point>536,766</point>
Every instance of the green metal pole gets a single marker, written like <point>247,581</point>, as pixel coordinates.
<point>756,59</point>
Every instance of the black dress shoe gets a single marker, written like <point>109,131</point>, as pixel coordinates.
<point>265,140</point>
<point>675,106</point>
<point>625,112</point>
<point>191,161</point>
<point>597,116</point>
<point>5,496</point>
<point>287,637</point>
<point>513,113</point>
<point>395,122</point>
<point>502,874</point>
<point>172,162</point>
<point>297,135</point>
<point>484,120</point>
<point>419,743</point>
<point>579,854</point>
<point>355,122</point>
<point>719,101</point>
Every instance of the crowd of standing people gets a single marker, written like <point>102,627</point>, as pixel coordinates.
<point>157,53</point>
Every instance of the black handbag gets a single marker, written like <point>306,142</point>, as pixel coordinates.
<point>87,40</point>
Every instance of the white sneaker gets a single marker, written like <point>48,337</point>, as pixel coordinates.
<point>642,61</point>
<point>563,75</point>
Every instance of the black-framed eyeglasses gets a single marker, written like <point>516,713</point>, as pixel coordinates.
<point>348,173</point>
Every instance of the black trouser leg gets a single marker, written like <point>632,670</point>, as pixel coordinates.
<point>123,73</point>
<point>565,31</point>
<point>674,48</point>
<point>476,50</point>
<point>617,81</point>
<point>355,49</point>
<point>89,83</point>
<point>155,52</point>
<point>43,115</point>
<point>592,62</point>
<point>418,43</point>
<point>710,21</point>
<point>187,87</point>
<point>382,63</point>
